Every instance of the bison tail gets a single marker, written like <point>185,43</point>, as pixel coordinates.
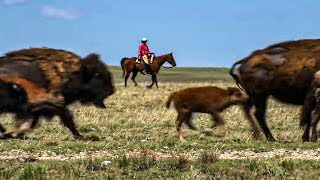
<point>168,103</point>
<point>234,75</point>
<point>122,66</point>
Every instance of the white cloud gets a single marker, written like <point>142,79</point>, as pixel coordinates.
<point>13,2</point>
<point>53,12</point>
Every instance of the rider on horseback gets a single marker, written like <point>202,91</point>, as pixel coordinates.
<point>144,53</point>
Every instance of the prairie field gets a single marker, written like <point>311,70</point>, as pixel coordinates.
<point>135,138</point>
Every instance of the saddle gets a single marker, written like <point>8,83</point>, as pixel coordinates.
<point>139,60</point>
<point>150,59</point>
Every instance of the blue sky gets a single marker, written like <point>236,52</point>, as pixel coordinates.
<point>202,33</point>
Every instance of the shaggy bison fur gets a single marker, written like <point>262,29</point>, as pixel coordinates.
<point>61,74</point>
<point>284,71</point>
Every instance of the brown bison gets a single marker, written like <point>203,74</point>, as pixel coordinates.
<point>37,102</point>
<point>284,71</point>
<point>210,99</point>
<point>315,97</point>
<point>61,73</point>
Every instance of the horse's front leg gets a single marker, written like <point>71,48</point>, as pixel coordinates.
<point>153,78</point>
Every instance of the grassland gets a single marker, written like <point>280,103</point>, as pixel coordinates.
<point>136,133</point>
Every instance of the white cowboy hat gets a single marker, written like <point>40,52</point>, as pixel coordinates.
<point>144,39</point>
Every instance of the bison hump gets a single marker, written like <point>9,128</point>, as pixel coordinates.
<point>55,64</point>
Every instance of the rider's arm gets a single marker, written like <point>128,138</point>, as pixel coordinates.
<point>140,51</point>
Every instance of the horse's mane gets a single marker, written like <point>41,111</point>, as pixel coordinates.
<point>163,55</point>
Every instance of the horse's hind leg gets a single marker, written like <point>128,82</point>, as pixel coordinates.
<point>126,78</point>
<point>133,77</point>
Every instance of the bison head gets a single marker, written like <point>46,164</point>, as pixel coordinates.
<point>13,98</point>
<point>92,84</point>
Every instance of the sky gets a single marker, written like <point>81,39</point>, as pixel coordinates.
<point>200,33</point>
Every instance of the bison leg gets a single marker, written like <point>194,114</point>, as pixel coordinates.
<point>254,127</point>
<point>2,129</point>
<point>260,113</point>
<point>133,77</point>
<point>27,127</point>
<point>217,119</point>
<point>21,125</point>
<point>2,135</point>
<point>315,119</point>
<point>180,119</point>
<point>67,120</point>
<point>305,118</point>
<point>187,119</point>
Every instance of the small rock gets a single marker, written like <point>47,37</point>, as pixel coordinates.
<point>105,163</point>
<point>27,159</point>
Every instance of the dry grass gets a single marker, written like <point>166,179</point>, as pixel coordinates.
<point>136,120</point>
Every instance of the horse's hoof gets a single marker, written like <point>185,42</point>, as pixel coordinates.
<point>149,87</point>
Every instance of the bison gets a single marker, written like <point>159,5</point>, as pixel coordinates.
<point>61,73</point>
<point>315,98</point>
<point>209,99</point>
<point>285,71</point>
<point>36,102</point>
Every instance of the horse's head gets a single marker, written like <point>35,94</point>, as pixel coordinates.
<point>171,60</point>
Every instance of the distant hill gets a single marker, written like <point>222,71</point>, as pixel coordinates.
<point>180,74</point>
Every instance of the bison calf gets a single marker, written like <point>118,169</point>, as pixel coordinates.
<point>211,100</point>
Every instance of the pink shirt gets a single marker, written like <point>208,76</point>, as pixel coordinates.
<point>143,49</point>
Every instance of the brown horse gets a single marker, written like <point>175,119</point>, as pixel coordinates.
<point>129,66</point>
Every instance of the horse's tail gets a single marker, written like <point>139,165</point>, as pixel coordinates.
<point>122,66</point>
<point>171,98</point>
<point>234,75</point>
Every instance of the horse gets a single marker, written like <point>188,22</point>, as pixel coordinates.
<point>129,66</point>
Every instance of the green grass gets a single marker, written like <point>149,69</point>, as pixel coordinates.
<point>136,119</point>
<point>150,168</point>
